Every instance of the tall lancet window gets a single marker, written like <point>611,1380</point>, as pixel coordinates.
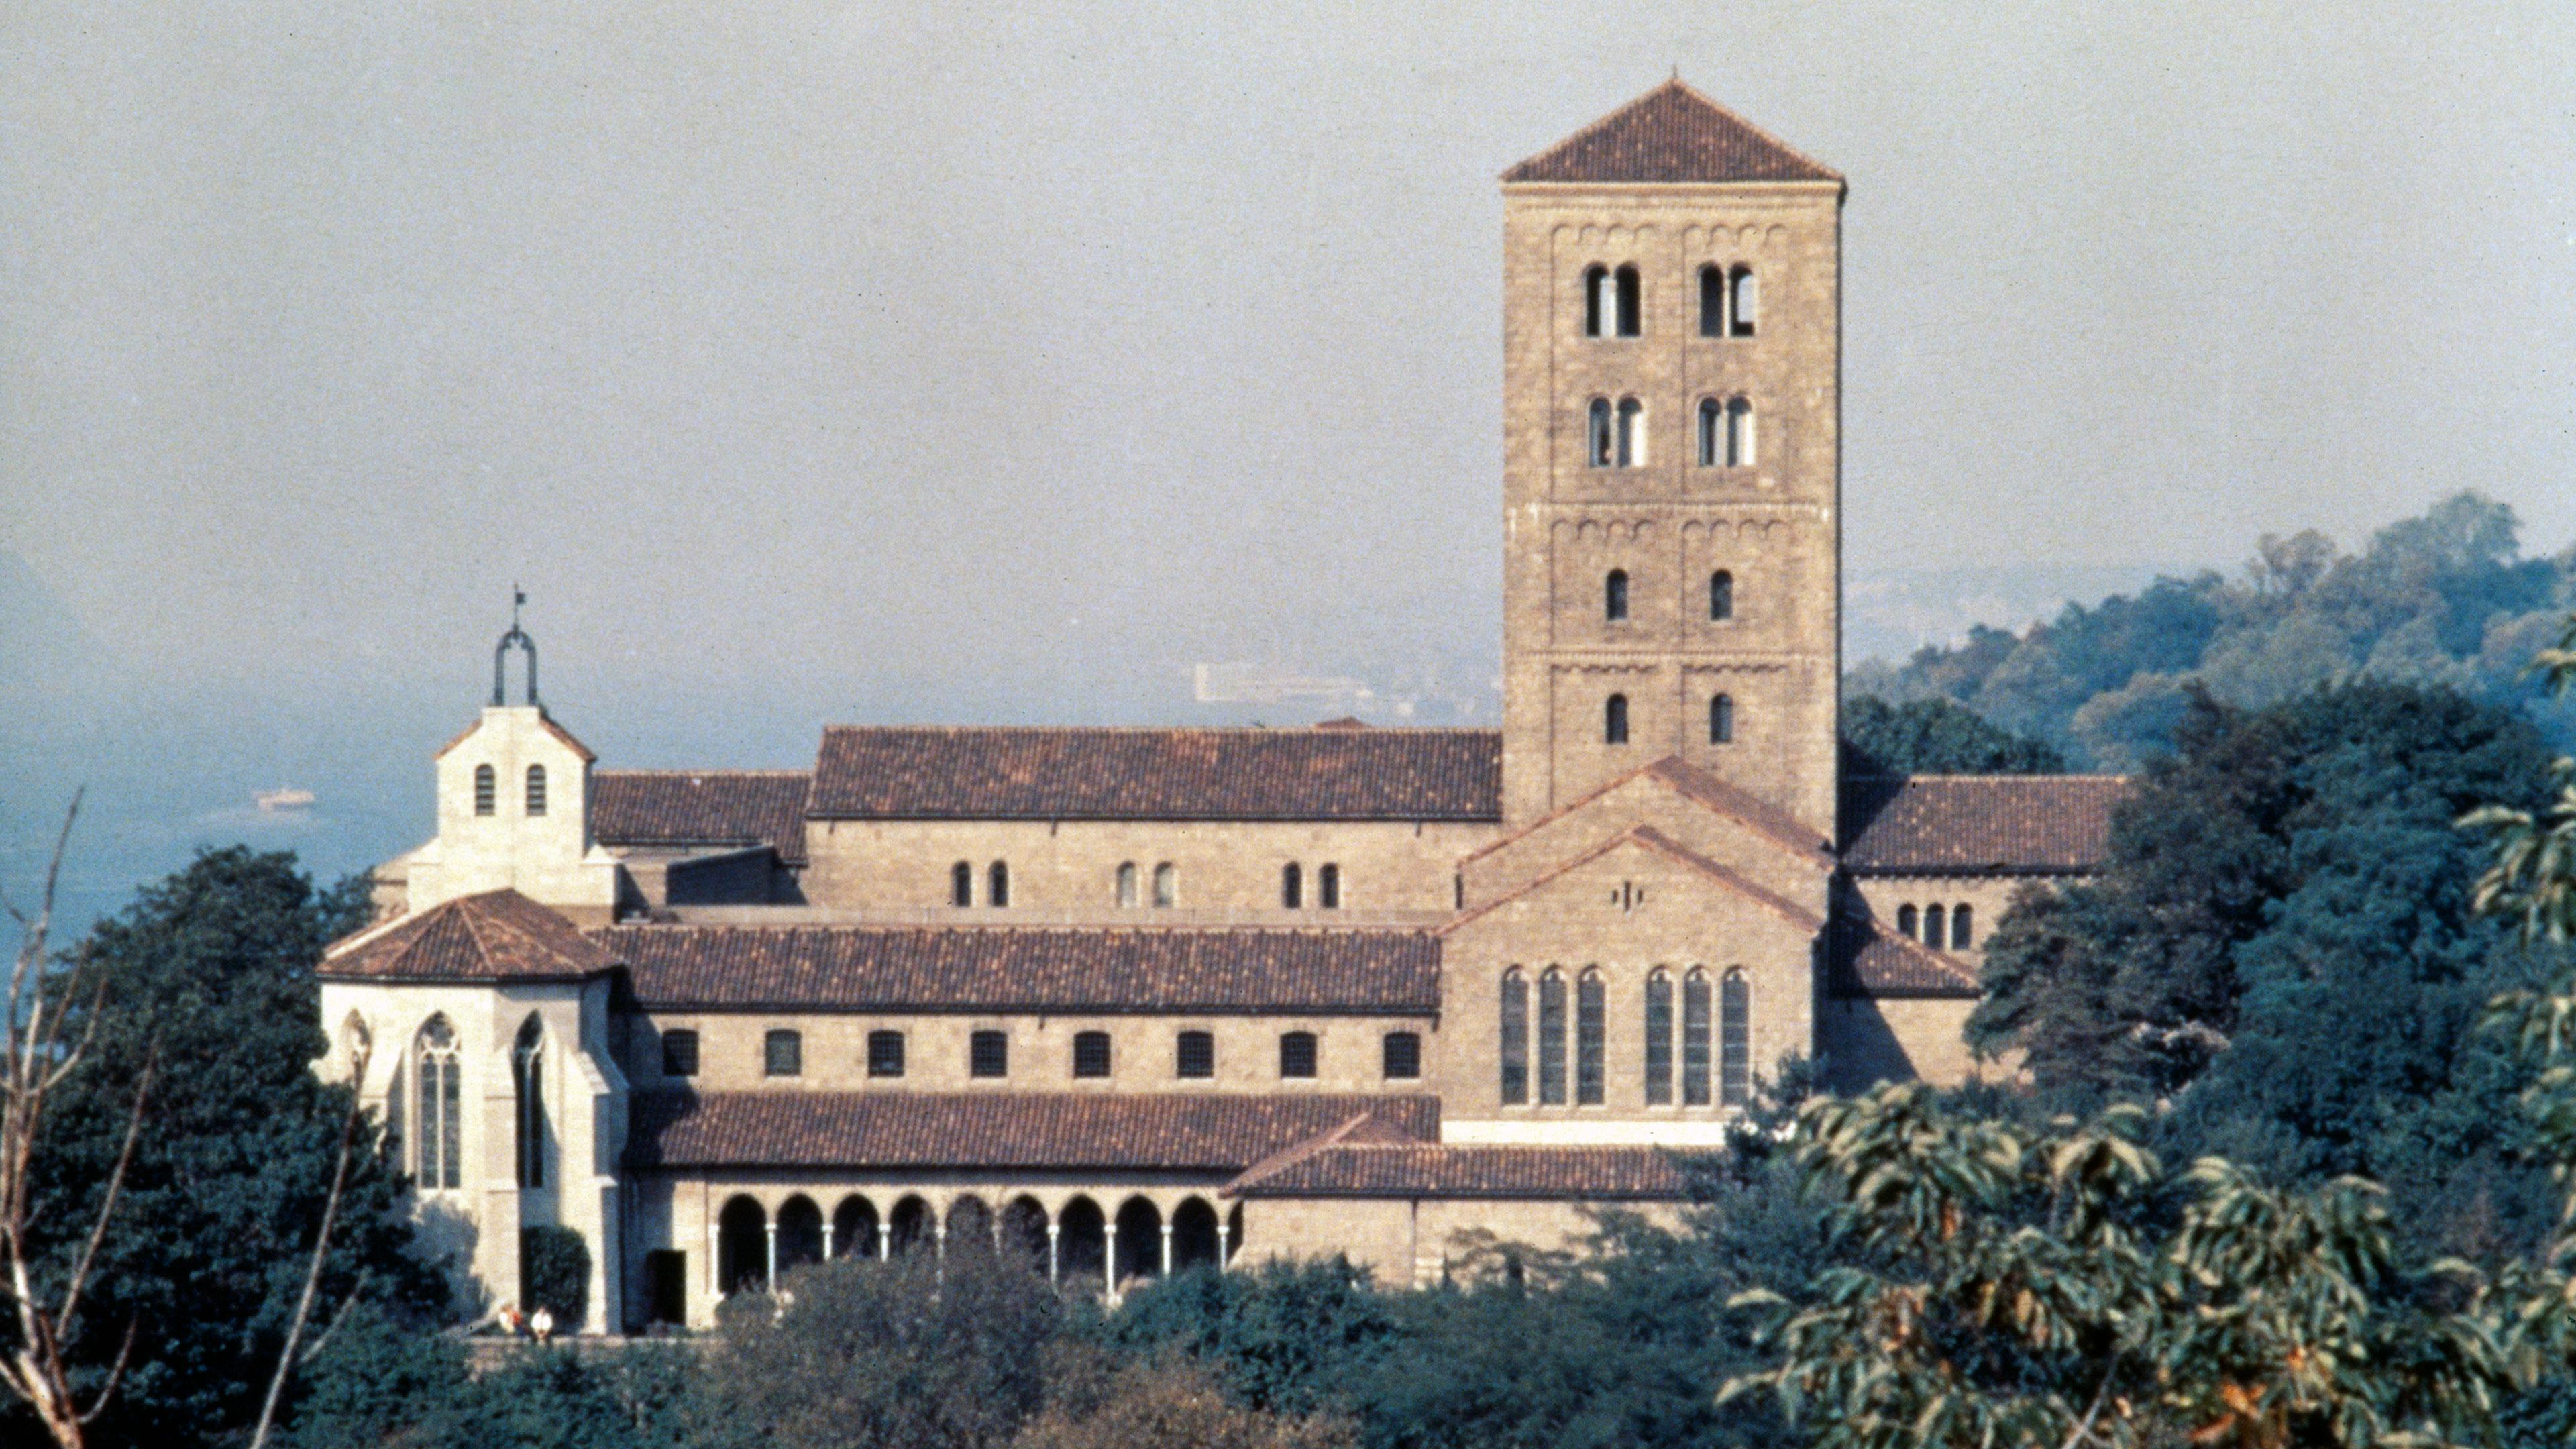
<point>1735,1038</point>
<point>1695,1043</point>
<point>1512,1021</point>
<point>487,789</point>
<point>1551,1039</point>
<point>528,1082</point>
<point>1614,720</point>
<point>536,789</point>
<point>438,1136</point>
<point>1659,1039</point>
<point>1721,719</point>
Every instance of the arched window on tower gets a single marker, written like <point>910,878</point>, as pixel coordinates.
<point>536,789</point>
<point>1614,595</point>
<point>1614,720</point>
<point>1512,1021</point>
<point>1721,595</point>
<point>1962,930</point>
<point>1712,432</point>
<point>528,1080</point>
<point>1695,1040</point>
<point>1167,885</point>
<point>1739,433</point>
<point>1328,886</point>
<point>487,789</point>
<point>1659,1039</point>
<point>1905,922</point>
<point>1632,433</point>
<point>1936,927</point>
<point>1551,1039</point>
<point>1744,303</point>
<point>1712,302</point>
<point>438,1136</point>
<point>1292,887</point>
<point>1600,305</point>
<point>1721,719</point>
<point>1590,1006</point>
<point>1598,445</point>
<point>1735,1041</point>
<point>997,884</point>
<point>1632,302</point>
<point>961,884</point>
<point>1127,883</point>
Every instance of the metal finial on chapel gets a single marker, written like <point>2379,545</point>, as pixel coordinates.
<point>501,652</point>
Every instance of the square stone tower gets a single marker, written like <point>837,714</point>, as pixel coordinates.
<point>1672,353</point>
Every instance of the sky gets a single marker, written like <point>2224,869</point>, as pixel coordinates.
<point>998,362</point>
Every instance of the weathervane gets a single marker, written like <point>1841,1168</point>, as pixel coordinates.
<point>501,652</point>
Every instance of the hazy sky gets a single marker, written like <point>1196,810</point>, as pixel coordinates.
<point>944,342</point>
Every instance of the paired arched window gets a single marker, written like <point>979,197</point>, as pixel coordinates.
<point>1590,1007</point>
<point>1712,301</point>
<point>1726,432</point>
<point>1297,1055</point>
<point>1735,1041</point>
<point>1551,1039</point>
<point>1659,1039</point>
<point>1632,433</point>
<point>487,790</point>
<point>536,789</point>
<point>1613,302</point>
<point>1614,720</point>
<point>997,884</point>
<point>1721,719</point>
<point>1936,925</point>
<point>528,1084</point>
<point>438,1138</point>
<point>961,884</point>
<point>1127,883</point>
<point>1614,595</point>
<point>1721,595</point>
<point>1512,1016</point>
<point>1615,434</point>
<point>1167,885</point>
<point>1729,301</point>
<point>1695,1043</point>
<point>1328,886</point>
<point>1739,433</point>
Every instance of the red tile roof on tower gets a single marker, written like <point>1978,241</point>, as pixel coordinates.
<point>679,808</point>
<point>1065,1131</point>
<point>981,773</point>
<point>1979,824</point>
<point>1021,968</point>
<point>1672,134</point>
<point>496,936</point>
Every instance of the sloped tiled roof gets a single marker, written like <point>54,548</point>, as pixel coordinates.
<point>925,773</point>
<point>631,808</point>
<point>1978,824</point>
<point>1018,968</point>
<point>496,936</point>
<point>1430,1170</point>
<point>1700,786</point>
<point>1057,1130</point>
<point>1671,134</point>
<point>1866,961</point>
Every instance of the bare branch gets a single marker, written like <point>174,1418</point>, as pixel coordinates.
<point>115,1372</point>
<point>286,1359</point>
<point>73,1286</point>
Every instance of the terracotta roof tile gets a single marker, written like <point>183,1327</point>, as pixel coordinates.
<point>1033,1130</point>
<point>1979,824</point>
<point>630,808</point>
<point>1020,968</point>
<point>1358,1169</point>
<point>1671,849</point>
<point>1671,134</point>
<point>496,936</point>
<point>1866,961</point>
<point>921,773</point>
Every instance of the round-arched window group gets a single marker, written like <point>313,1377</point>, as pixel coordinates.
<point>1942,927</point>
<point>1553,1030</point>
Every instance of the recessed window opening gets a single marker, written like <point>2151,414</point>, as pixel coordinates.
<point>782,1054</point>
<point>997,884</point>
<point>988,1054</point>
<point>1167,885</point>
<point>1512,1017</point>
<point>1721,720</point>
<point>1614,720</point>
<point>1659,1040</point>
<point>1599,446</point>
<point>1721,595</point>
<point>1961,933</point>
<point>885,1054</point>
<point>1600,303</point>
<point>1739,433</point>
<point>440,1131</point>
<point>1905,922</point>
<point>487,789</point>
<point>1400,1055</point>
<point>528,1077</point>
<point>1744,304</point>
<point>1091,1054</point>
<point>536,789</point>
<point>961,884</point>
<point>1589,1030</point>
<point>1328,887</point>
<point>1632,433</point>
<point>1695,1043</point>
<point>1551,1039</point>
<point>1712,302</point>
<point>1292,887</point>
<point>1735,1040</point>
<point>679,1054</point>
<point>1194,1055</point>
<point>1712,432</point>
<point>1936,926</point>
<point>1631,298</point>
<point>1614,595</point>
<point>1127,884</point>
<point>1297,1055</point>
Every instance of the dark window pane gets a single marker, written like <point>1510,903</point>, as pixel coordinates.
<point>1297,1054</point>
<point>885,1054</point>
<point>679,1053</point>
<point>1736,1041</point>
<point>1091,1054</point>
<point>1195,1055</point>
<point>1659,1041</point>
<point>1695,1041</point>
<point>1328,887</point>
<point>1588,1031</point>
<point>988,1054</point>
<point>1403,1056</point>
<point>1551,1040</point>
<point>1514,1018</point>
<point>783,1054</point>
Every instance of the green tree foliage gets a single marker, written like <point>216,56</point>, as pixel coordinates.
<point>1937,736</point>
<point>2444,599</point>
<point>382,1382</point>
<point>1168,1403</point>
<point>554,1272</point>
<point>210,978</point>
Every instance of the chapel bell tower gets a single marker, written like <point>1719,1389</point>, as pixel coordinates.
<point>1672,330</point>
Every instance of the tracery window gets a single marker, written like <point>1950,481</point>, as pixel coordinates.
<point>528,1083</point>
<point>438,1137</point>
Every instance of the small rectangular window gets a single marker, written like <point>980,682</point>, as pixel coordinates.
<point>885,1054</point>
<point>1403,1056</point>
<point>988,1054</point>
<point>1328,887</point>
<point>1091,1054</point>
<point>679,1054</point>
<point>1195,1055</point>
<point>782,1054</point>
<point>1297,1055</point>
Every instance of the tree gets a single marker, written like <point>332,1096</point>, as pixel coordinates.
<point>1937,737</point>
<point>232,1171</point>
<point>1166,1403</point>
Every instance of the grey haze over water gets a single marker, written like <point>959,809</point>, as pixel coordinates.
<point>1000,363</point>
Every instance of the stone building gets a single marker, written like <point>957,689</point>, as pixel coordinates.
<point>1129,1000</point>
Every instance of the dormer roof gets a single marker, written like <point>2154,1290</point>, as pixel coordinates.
<point>1671,135</point>
<point>499,936</point>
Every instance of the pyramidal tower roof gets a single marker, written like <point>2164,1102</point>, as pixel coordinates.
<point>1671,135</point>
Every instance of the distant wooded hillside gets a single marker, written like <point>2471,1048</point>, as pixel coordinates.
<point>2447,598</point>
